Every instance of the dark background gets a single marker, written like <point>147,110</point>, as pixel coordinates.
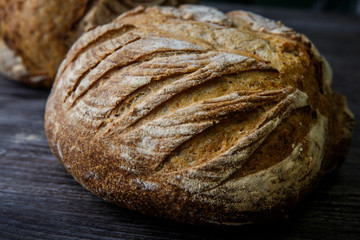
<point>40,200</point>
<point>340,6</point>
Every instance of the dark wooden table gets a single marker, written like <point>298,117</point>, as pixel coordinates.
<point>40,200</point>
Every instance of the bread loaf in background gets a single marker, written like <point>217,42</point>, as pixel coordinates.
<point>197,116</point>
<point>36,34</point>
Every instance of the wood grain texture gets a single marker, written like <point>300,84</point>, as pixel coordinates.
<point>39,200</point>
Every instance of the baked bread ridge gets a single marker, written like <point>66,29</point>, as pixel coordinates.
<point>37,34</point>
<point>197,116</point>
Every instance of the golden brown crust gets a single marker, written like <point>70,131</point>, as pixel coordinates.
<point>196,116</point>
<point>40,32</point>
<point>41,40</point>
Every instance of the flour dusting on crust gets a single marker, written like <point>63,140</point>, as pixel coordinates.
<point>195,115</point>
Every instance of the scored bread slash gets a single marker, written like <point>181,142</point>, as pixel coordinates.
<point>222,120</point>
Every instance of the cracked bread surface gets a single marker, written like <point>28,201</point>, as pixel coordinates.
<point>36,34</point>
<point>197,116</point>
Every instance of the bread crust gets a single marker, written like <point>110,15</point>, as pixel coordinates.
<point>38,33</point>
<point>197,116</point>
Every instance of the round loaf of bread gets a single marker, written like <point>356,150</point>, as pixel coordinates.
<point>35,35</point>
<point>197,116</point>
